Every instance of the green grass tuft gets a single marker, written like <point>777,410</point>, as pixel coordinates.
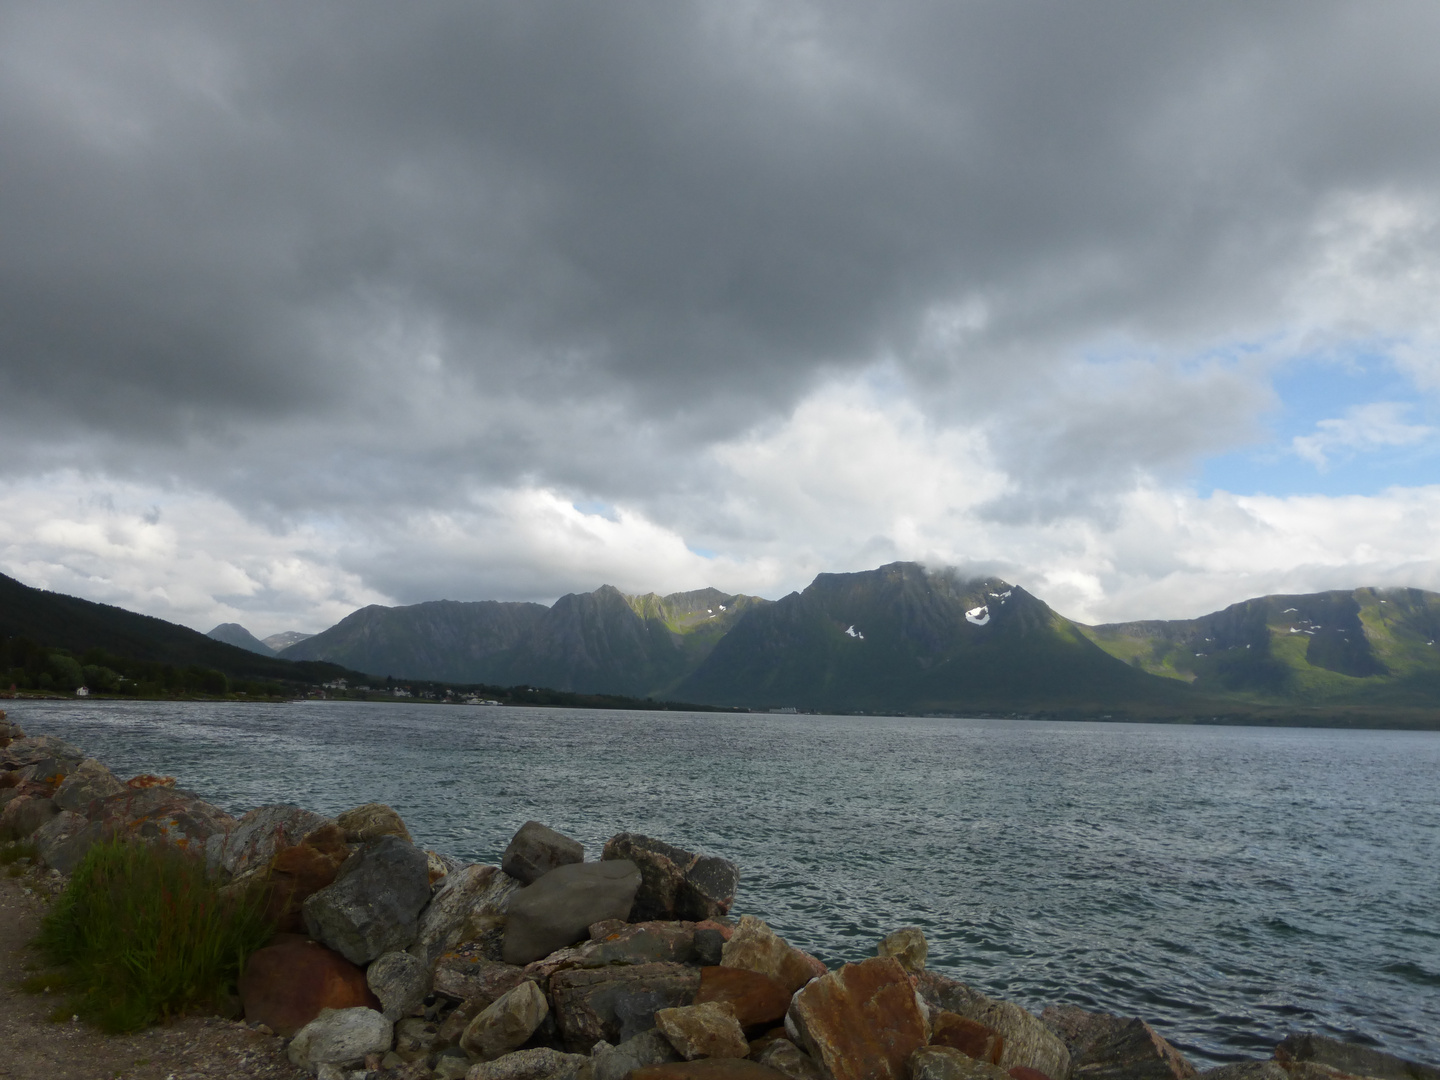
<point>143,935</point>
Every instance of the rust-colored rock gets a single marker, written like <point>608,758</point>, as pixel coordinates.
<point>1028,1041</point>
<point>758,1000</point>
<point>149,780</point>
<point>1024,1072</point>
<point>708,1069</point>
<point>305,868</point>
<point>862,1022</point>
<point>703,1031</point>
<point>969,1037</point>
<point>755,947</point>
<point>285,985</point>
<point>370,822</point>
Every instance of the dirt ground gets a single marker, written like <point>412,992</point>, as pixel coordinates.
<point>33,1047</point>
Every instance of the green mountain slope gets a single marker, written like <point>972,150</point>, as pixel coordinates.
<point>234,634</point>
<point>67,622</point>
<point>445,640</point>
<point>600,642</point>
<point>1363,647</point>
<point>903,637</point>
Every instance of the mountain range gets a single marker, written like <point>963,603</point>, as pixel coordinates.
<point>906,638</point>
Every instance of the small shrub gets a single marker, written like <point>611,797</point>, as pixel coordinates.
<point>143,935</point>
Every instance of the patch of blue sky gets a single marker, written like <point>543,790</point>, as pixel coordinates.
<point>704,553</point>
<point>597,508</point>
<point>1314,394</point>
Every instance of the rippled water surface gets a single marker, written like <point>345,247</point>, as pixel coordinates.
<point>1228,884</point>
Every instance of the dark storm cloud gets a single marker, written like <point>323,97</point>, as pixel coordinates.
<point>621,231</point>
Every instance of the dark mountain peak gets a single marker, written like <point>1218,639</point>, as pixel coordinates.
<point>232,633</point>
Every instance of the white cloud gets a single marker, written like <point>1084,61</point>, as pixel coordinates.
<point>177,554</point>
<point>1362,428</point>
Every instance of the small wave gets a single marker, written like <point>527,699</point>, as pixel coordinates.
<point>1414,973</point>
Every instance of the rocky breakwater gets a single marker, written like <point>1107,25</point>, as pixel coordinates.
<point>395,963</point>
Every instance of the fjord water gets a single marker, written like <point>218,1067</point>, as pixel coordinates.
<point>1227,884</point>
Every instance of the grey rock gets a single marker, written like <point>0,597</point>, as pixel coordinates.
<point>785,1057</point>
<point>470,975</point>
<point>468,902</point>
<point>908,946</point>
<point>340,1037</point>
<point>259,834</point>
<point>1350,1058</point>
<point>1246,1070</point>
<point>1028,1041</point>
<point>639,943</point>
<point>637,1052</point>
<point>400,981</point>
<point>540,1063</point>
<point>709,947</point>
<point>1106,1047</point>
<point>677,884</point>
<point>947,1063</point>
<point>89,781</point>
<point>616,1004</point>
<point>507,1023</point>
<point>557,910</point>
<point>373,907</point>
<point>63,840</point>
<point>24,815</point>
<point>536,849</point>
<point>37,748</point>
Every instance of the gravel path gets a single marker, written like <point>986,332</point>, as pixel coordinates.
<point>32,1047</point>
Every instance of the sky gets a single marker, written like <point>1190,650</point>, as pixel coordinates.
<point>308,307</point>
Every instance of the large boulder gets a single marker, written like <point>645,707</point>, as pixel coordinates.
<point>1106,1047</point>
<point>340,1037</point>
<point>288,984</point>
<point>374,905</point>
<point>370,822</point>
<point>162,814</point>
<point>469,902</point>
<point>615,1004</point>
<point>753,946</point>
<point>947,1063</point>
<point>677,884</point>
<point>26,812</point>
<point>538,1063</point>
<point>557,910</point>
<point>264,831</point>
<point>709,1030</point>
<point>400,981</point>
<point>860,1023</point>
<point>1028,1044</point>
<point>616,942</point>
<point>507,1023</point>
<point>296,873</point>
<point>24,752</point>
<point>63,840</point>
<point>757,1000</point>
<point>1300,1049</point>
<point>536,849</point>
<point>89,781</point>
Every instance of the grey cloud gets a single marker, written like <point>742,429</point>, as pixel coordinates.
<point>625,231</point>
